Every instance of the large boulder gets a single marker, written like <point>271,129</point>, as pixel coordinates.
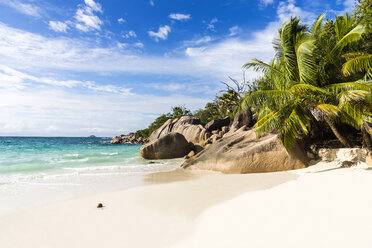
<point>242,118</point>
<point>172,145</point>
<point>187,126</point>
<point>217,124</point>
<point>242,152</point>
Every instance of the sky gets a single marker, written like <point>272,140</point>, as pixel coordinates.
<point>83,67</point>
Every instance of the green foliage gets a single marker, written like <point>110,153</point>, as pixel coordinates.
<point>364,14</point>
<point>315,75</point>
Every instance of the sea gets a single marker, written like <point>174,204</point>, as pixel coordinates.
<point>39,170</point>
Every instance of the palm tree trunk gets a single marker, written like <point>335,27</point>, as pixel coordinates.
<point>338,135</point>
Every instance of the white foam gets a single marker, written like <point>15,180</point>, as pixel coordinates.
<point>109,153</point>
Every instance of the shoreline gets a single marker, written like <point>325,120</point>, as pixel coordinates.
<point>187,208</point>
<point>43,188</point>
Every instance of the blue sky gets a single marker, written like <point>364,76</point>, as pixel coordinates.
<point>75,68</point>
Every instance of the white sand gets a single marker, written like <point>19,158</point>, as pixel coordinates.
<point>320,206</point>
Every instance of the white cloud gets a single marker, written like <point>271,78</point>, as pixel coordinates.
<point>85,17</point>
<point>179,17</point>
<point>130,34</point>
<point>121,20</point>
<point>58,26</point>
<point>287,9</point>
<point>122,45</point>
<point>45,107</point>
<point>197,41</point>
<point>139,44</point>
<point>161,34</point>
<point>11,78</point>
<point>234,30</point>
<point>152,3</point>
<point>181,87</point>
<point>210,25</point>
<point>349,5</point>
<point>129,45</point>
<point>24,8</point>
<point>87,21</point>
<point>266,2</point>
<point>93,5</point>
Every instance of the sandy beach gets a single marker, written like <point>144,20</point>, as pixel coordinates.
<point>320,206</point>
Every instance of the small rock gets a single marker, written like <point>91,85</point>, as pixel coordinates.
<point>100,205</point>
<point>347,164</point>
<point>225,129</point>
<point>220,134</point>
<point>191,154</point>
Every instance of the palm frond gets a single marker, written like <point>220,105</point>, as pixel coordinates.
<point>357,64</point>
<point>270,97</point>
<point>293,125</point>
<point>317,25</point>
<point>261,66</point>
<point>368,76</point>
<point>306,62</point>
<point>350,37</point>
<point>357,85</point>
<point>273,121</point>
<point>352,95</point>
<point>307,89</point>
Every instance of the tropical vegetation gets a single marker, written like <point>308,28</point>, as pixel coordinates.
<point>320,75</point>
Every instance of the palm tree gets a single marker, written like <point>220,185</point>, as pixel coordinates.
<point>290,95</point>
<point>355,98</point>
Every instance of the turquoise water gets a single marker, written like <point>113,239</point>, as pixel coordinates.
<point>36,171</point>
<point>34,154</point>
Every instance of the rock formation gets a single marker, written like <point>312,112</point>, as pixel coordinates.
<point>342,154</point>
<point>242,152</point>
<point>172,145</point>
<point>217,124</point>
<point>242,118</point>
<point>188,126</point>
<point>129,138</point>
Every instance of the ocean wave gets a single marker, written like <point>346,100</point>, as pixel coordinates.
<point>63,161</point>
<point>109,153</point>
<point>71,155</point>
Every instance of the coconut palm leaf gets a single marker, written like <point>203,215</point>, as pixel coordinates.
<point>274,121</point>
<point>317,25</point>
<point>350,37</point>
<point>307,89</point>
<point>357,85</point>
<point>327,109</point>
<point>352,95</point>
<point>290,33</point>
<point>357,64</point>
<point>307,67</point>
<point>293,126</point>
<point>261,66</point>
<point>269,97</point>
